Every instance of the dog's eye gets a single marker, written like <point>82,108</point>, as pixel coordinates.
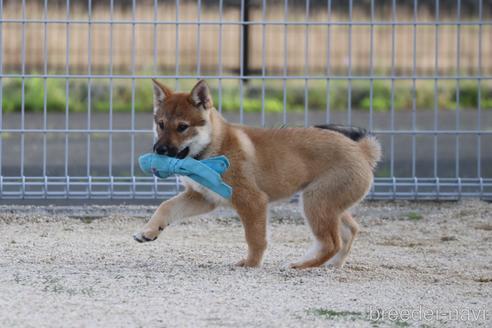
<point>161,125</point>
<point>182,127</point>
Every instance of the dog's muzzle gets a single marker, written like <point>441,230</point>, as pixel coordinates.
<point>171,151</point>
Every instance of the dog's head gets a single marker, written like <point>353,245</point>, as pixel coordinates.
<point>182,120</point>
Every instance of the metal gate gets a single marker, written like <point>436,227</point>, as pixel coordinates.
<point>75,93</point>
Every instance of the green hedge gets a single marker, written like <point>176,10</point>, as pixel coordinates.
<point>317,92</point>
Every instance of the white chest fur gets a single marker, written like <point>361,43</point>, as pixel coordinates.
<point>208,194</point>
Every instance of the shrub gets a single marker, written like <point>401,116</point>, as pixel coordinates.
<point>252,100</point>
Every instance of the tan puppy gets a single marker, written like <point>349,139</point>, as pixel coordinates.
<point>331,165</point>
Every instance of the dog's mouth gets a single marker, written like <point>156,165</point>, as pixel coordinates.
<point>182,154</point>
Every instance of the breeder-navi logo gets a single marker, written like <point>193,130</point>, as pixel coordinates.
<point>428,314</point>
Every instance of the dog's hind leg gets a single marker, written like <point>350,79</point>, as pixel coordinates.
<point>324,221</point>
<point>348,230</point>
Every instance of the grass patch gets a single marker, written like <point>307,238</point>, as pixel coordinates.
<point>330,314</point>
<point>414,216</point>
<point>401,323</point>
<point>316,95</point>
<point>333,314</point>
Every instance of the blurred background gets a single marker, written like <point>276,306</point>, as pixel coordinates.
<point>77,100</point>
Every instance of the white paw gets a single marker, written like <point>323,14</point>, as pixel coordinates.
<point>142,238</point>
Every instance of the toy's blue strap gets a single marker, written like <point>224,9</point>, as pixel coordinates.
<point>218,163</point>
<point>206,172</point>
<point>221,188</point>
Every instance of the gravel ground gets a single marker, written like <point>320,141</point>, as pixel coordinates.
<point>80,267</point>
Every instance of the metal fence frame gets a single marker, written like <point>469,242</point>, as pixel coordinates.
<point>135,187</point>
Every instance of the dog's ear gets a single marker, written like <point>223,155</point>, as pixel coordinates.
<point>200,95</point>
<point>161,92</point>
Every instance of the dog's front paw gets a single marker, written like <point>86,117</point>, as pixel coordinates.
<point>143,238</point>
<point>248,263</point>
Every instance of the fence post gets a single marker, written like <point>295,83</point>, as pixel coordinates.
<point>246,40</point>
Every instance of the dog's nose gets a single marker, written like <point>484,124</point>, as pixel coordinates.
<point>172,151</point>
<point>160,149</point>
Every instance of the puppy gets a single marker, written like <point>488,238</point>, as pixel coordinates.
<point>332,166</point>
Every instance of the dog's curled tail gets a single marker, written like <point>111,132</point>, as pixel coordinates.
<point>371,148</point>
<point>368,143</point>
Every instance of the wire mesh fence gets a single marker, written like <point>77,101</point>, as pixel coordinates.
<point>76,98</point>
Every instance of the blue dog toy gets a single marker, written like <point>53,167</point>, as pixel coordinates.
<point>206,172</point>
